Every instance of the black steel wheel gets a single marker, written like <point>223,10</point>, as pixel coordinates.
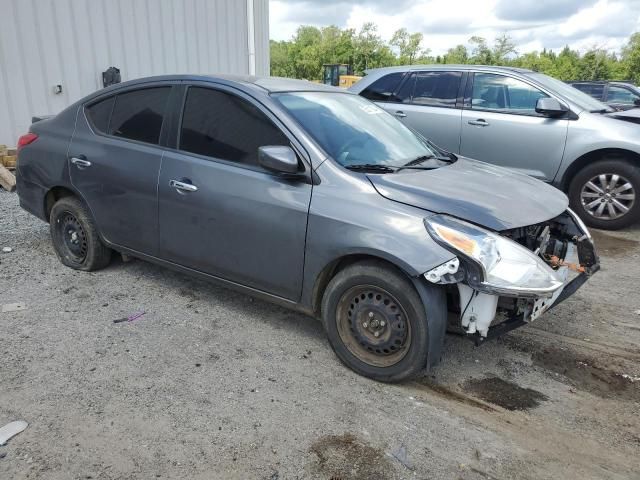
<point>377,323</point>
<point>75,237</point>
<point>373,325</point>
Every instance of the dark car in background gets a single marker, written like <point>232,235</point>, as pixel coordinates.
<point>618,95</point>
<point>311,197</point>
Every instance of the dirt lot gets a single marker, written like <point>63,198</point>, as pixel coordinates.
<point>212,384</point>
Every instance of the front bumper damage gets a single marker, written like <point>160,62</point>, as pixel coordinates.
<point>563,243</point>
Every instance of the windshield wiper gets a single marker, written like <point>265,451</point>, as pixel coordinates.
<point>371,167</point>
<point>419,160</point>
<point>600,110</point>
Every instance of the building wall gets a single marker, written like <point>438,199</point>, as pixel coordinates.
<point>44,43</point>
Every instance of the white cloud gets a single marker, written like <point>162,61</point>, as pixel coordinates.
<point>581,24</point>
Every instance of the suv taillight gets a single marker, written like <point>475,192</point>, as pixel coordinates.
<point>25,140</point>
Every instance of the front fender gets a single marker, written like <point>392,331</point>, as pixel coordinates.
<point>349,217</point>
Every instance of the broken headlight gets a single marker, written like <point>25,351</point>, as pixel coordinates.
<point>506,267</point>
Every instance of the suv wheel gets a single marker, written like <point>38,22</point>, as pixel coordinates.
<point>606,194</point>
<point>75,237</point>
<point>376,323</point>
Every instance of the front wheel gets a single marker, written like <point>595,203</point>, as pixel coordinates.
<point>605,194</point>
<point>376,322</point>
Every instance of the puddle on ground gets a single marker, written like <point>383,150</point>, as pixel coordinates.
<point>346,457</point>
<point>504,394</point>
<point>586,373</point>
<point>449,394</point>
<point>613,246</point>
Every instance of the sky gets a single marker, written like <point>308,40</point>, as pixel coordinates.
<point>533,24</point>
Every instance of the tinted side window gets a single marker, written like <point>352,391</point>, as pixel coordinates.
<point>621,95</point>
<point>138,115</point>
<point>596,90</point>
<point>497,92</point>
<point>406,90</point>
<point>100,113</point>
<point>382,89</point>
<point>224,126</point>
<point>437,88</point>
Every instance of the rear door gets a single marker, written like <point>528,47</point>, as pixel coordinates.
<point>500,126</point>
<point>234,220</point>
<point>114,160</point>
<point>426,102</point>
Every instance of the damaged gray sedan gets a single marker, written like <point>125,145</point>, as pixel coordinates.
<point>310,197</point>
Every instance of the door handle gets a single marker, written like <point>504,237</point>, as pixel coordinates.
<point>479,123</point>
<point>400,114</point>
<point>80,162</point>
<point>183,186</point>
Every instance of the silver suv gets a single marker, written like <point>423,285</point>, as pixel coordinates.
<point>526,121</point>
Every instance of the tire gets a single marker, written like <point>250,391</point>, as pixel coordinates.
<point>586,199</point>
<point>371,297</point>
<point>75,236</point>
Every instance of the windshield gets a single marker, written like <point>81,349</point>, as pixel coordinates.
<point>572,94</point>
<point>354,131</point>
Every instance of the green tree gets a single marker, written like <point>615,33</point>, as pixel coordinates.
<point>457,55</point>
<point>481,53</point>
<point>503,46</point>
<point>631,59</point>
<point>409,46</point>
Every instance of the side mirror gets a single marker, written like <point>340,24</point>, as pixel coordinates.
<point>278,159</point>
<point>550,107</point>
<point>636,102</point>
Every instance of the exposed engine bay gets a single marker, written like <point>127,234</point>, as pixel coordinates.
<point>564,245</point>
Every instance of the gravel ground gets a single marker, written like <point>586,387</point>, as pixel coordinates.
<point>214,384</point>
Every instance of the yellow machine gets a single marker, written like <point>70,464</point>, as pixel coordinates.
<point>339,75</point>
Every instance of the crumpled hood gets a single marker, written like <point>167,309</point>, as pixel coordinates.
<point>484,194</point>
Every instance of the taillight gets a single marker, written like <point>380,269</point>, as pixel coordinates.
<point>25,140</point>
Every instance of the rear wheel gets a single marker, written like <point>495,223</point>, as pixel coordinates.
<point>376,322</point>
<point>606,194</point>
<point>75,237</point>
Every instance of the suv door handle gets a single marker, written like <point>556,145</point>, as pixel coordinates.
<point>80,162</point>
<point>400,114</point>
<point>183,186</point>
<point>481,122</point>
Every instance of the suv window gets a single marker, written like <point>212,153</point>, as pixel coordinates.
<point>595,90</point>
<point>437,88</point>
<point>621,95</point>
<point>221,125</point>
<point>382,89</point>
<point>497,92</point>
<point>100,113</point>
<point>138,115</point>
<point>406,90</point>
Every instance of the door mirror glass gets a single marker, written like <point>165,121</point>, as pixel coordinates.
<point>550,107</point>
<point>278,159</point>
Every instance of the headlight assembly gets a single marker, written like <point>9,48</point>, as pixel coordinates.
<point>506,267</point>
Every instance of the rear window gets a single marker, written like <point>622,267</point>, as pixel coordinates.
<point>138,115</point>
<point>439,89</point>
<point>593,89</point>
<point>100,113</point>
<point>382,89</point>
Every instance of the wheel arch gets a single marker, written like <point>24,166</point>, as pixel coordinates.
<point>54,194</point>
<point>332,268</point>
<point>593,156</point>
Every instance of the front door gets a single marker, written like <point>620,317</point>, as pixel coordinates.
<point>114,160</point>
<point>227,216</point>
<point>501,126</point>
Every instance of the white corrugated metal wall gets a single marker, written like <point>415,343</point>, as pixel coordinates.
<point>44,43</point>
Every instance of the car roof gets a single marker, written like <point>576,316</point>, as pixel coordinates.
<point>439,66</point>
<point>264,84</point>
